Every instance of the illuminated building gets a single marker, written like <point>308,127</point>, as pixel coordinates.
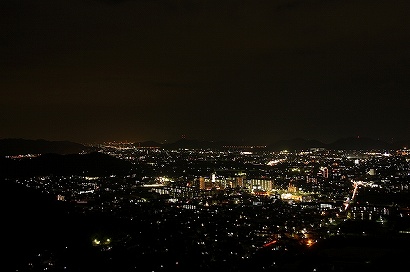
<point>325,172</point>
<point>202,183</point>
<point>261,185</point>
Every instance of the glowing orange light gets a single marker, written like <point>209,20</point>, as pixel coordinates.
<point>270,243</point>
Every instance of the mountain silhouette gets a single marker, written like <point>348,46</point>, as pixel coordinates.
<point>194,144</point>
<point>295,144</point>
<point>148,144</point>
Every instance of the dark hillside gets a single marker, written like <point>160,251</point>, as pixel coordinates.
<point>12,147</point>
<point>95,164</point>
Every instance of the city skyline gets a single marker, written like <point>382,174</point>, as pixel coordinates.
<point>244,71</point>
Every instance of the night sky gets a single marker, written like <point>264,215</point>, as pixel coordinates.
<point>236,70</point>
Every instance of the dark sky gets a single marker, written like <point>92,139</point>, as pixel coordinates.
<point>241,70</point>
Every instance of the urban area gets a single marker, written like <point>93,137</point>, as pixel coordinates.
<point>235,209</point>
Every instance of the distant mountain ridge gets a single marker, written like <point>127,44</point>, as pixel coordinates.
<point>11,147</point>
<point>296,144</point>
<point>349,143</point>
<point>193,143</point>
<point>360,143</point>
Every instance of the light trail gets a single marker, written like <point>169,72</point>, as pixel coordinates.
<point>356,185</point>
